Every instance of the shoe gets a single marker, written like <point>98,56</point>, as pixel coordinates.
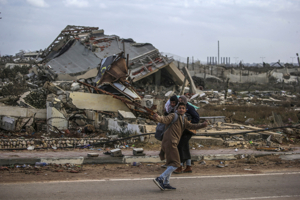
<point>188,169</point>
<point>169,187</point>
<point>178,170</point>
<point>160,183</point>
<point>164,166</point>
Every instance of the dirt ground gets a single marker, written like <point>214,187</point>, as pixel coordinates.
<point>65,172</point>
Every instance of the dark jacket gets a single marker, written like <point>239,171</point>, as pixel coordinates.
<point>190,110</point>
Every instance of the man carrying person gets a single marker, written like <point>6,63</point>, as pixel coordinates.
<point>171,138</point>
<point>183,146</point>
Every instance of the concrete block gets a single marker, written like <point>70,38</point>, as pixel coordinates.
<point>116,153</point>
<point>8,123</point>
<point>138,152</point>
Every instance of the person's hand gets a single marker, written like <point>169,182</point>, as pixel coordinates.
<point>155,116</point>
<point>204,124</point>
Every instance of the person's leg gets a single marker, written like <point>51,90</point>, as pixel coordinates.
<point>165,176</point>
<point>180,151</point>
<point>189,162</point>
<point>166,183</point>
<point>188,168</point>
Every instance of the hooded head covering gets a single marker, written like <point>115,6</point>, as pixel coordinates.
<point>184,99</point>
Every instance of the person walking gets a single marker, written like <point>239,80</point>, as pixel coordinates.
<point>171,138</point>
<point>183,146</point>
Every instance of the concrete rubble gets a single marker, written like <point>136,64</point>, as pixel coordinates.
<point>89,88</point>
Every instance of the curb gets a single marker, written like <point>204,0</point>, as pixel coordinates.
<point>125,159</point>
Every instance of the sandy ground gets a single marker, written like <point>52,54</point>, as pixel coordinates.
<point>111,171</point>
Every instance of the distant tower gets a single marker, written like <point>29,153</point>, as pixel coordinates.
<point>218,52</point>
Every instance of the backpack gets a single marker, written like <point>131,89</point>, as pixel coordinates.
<point>161,128</point>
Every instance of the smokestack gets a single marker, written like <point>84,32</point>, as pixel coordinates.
<point>229,60</point>
<point>218,52</point>
<point>298,59</point>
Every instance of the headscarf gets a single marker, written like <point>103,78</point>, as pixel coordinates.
<point>184,99</point>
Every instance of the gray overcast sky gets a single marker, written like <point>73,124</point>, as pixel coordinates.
<point>248,29</point>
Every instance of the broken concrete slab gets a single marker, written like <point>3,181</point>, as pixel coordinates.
<point>290,157</point>
<point>189,78</point>
<point>22,112</point>
<point>55,118</point>
<point>219,157</point>
<point>120,126</point>
<point>22,102</point>
<point>101,102</point>
<point>207,140</point>
<point>58,160</point>
<point>175,73</point>
<point>126,115</point>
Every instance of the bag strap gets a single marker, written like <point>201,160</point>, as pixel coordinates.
<point>173,121</point>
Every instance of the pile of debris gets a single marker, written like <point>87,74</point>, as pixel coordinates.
<point>88,87</point>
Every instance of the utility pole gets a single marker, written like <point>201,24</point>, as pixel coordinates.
<point>262,59</point>
<point>292,60</point>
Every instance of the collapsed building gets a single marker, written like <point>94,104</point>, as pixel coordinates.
<point>87,82</point>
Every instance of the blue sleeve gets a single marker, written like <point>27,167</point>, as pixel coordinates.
<point>195,116</point>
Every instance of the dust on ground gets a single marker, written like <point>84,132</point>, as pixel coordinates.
<point>266,164</point>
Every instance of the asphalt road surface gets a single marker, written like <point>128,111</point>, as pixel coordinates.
<point>252,186</point>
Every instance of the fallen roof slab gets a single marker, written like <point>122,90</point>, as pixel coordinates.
<point>100,102</point>
<point>76,59</point>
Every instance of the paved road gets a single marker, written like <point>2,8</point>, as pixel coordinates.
<point>262,186</point>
